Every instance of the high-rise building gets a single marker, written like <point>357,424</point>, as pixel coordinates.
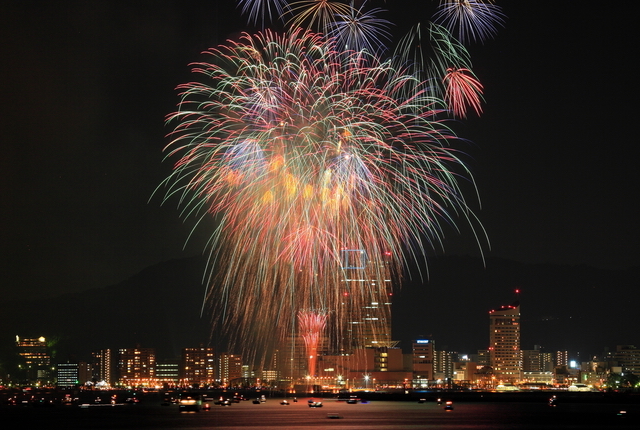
<point>482,357</point>
<point>536,360</point>
<point>273,371</point>
<point>442,365</point>
<point>365,323</point>
<point>423,358</point>
<point>504,339</point>
<point>229,368</point>
<point>137,366</point>
<point>628,357</point>
<point>102,367</point>
<point>85,372</point>
<point>562,358</point>
<point>198,365</point>
<point>532,360</point>
<point>35,357</point>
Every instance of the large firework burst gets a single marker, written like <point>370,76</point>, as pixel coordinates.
<point>301,152</point>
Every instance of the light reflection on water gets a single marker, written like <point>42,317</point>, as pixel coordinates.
<point>337,415</point>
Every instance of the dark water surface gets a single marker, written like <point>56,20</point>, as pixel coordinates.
<point>333,415</point>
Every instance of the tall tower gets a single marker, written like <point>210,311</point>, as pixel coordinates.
<point>504,337</point>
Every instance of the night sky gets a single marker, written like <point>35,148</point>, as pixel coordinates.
<point>86,86</point>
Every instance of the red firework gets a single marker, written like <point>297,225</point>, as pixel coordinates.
<point>463,90</point>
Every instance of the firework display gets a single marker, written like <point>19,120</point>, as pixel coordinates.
<point>471,19</point>
<point>304,146</point>
<point>311,325</point>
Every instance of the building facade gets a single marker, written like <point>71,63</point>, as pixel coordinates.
<point>102,367</point>
<point>628,357</point>
<point>229,368</point>
<point>366,323</point>
<point>36,359</point>
<point>198,366</point>
<point>423,359</point>
<point>68,375</point>
<point>137,366</point>
<point>504,343</point>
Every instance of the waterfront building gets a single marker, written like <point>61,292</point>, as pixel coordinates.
<point>628,357</point>
<point>198,366</point>
<point>168,372</point>
<point>102,367</point>
<point>229,368</point>
<point>423,355</point>
<point>504,343</point>
<point>67,375</point>
<point>365,324</point>
<point>137,366</point>
<point>36,360</point>
<point>443,366</point>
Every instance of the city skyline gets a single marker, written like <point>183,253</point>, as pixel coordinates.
<point>424,366</point>
<point>572,321</point>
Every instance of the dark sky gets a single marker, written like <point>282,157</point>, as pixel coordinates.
<point>85,87</point>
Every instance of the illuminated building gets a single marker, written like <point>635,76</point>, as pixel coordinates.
<point>483,358</point>
<point>102,367</point>
<point>371,367</point>
<point>85,372</point>
<point>562,358</point>
<point>465,372</point>
<point>628,357</point>
<point>229,368</point>
<point>442,365</point>
<point>272,373</point>
<point>137,366</point>
<point>532,360</point>
<point>535,360</point>
<point>366,324</point>
<point>381,359</point>
<point>168,372</point>
<point>422,359</point>
<point>504,338</point>
<point>68,375</point>
<point>198,365</point>
<point>36,360</point>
